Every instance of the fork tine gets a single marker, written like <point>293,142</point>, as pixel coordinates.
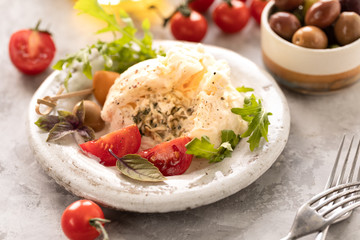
<point>357,156</point>
<point>333,171</point>
<point>341,177</point>
<point>344,210</point>
<point>330,191</point>
<point>329,183</point>
<point>351,174</point>
<point>341,203</point>
<point>337,196</point>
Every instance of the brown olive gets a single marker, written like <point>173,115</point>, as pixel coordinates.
<point>350,6</point>
<point>288,5</point>
<point>347,28</point>
<point>310,37</point>
<point>323,13</point>
<point>284,24</point>
<point>92,115</point>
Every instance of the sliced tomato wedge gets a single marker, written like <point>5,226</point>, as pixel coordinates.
<point>124,141</point>
<point>169,157</point>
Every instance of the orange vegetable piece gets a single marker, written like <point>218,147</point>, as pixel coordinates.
<point>102,81</point>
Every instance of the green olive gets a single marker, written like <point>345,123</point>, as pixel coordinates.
<point>310,37</point>
<point>92,115</point>
<point>347,28</point>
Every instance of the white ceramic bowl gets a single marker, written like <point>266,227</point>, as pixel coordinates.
<point>308,70</point>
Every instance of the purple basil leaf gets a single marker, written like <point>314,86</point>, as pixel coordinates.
<point>46,123</point>
<point>59,131</point>
<point>87,133</point>
<point>73,120</point>
<point>80,112</point>
<point>64,113</point>
<point>66,116</point>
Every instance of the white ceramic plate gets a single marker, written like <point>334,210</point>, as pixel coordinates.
<point>202,184</point>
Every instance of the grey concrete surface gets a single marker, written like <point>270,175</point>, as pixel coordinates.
<point>32,203</point>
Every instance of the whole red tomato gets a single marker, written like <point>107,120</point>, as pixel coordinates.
<point>200,5</point>
<point>231,16</point>
<point>256,8</point>
<point>189,26</point>
<point>31,50</point>
<point>76,221</point>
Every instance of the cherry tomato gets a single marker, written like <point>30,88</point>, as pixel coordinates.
<point>169,157</point>
<point>200,6</point>
<point>124,141</point>
<point>231,16</point>
<point>75,221</point>
<point>31,50</point>
<point>188,28</point>
<point>256,8</point>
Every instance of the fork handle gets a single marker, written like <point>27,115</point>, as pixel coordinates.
<point>322,235</point>
<point>288,237</point>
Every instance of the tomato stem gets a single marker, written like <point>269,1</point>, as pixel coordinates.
<point>229,3</point>
<point>183,9</point>
<point>98,224</point>
<point>36,29</point>
<point>37,25</point>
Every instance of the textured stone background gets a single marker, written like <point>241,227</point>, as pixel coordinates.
<point>32,203</point>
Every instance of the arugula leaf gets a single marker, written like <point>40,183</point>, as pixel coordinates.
<point>201,148</point>
<point>204,149</point>
<point>93,8</point>
<point>254,113</point>
<point>118,54</point>
<point>66,123</point>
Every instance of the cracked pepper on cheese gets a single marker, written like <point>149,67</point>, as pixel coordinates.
<point>186,93</point>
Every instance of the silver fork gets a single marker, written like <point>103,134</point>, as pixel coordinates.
<point>339,180</point>
<point>317,214</point>
<point>330,182</point>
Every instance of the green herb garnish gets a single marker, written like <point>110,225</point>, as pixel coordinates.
<point>138,168</point>
<point>119,54</point>
<point>204,149</point>
<point>254,113</point>
<point>66,123</point>
<point>244,89</point>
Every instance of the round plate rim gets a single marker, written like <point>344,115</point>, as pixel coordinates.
<point>154,198</point>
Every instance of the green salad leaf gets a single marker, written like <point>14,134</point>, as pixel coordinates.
<point>254,113</point>
<point>205,149</point>
<point>119,54</point>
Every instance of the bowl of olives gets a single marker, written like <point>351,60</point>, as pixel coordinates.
<point>312,46</point>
